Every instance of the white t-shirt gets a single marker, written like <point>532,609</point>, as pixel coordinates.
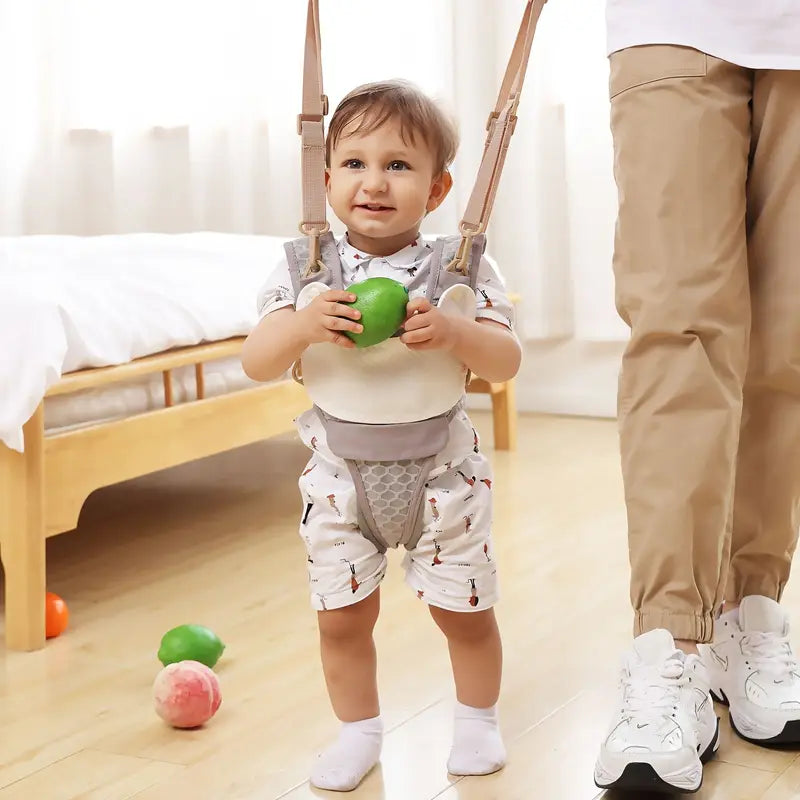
<point>760,34</point>
<point>492,301</point>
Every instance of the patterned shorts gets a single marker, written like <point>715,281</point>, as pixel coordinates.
<point>451,567</point>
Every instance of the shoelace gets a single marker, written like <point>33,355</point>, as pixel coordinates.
<point>655,689</point>
<point>770,653</point>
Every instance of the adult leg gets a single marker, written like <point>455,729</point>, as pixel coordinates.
<point>751,661</point>
<point>681,158</point>
<point>765,521</point>
<point>681,127</point>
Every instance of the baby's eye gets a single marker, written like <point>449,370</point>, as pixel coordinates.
<point>354,163</point>
<point>397,166</point>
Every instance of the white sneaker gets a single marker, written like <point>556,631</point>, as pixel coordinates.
<point>752,669</point>
<point>666,727</point>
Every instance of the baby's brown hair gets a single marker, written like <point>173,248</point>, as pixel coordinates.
<point>374,104</point>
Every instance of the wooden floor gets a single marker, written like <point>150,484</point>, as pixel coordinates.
<point>215,542</point>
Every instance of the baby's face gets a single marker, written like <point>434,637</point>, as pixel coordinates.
<point>381,187</point>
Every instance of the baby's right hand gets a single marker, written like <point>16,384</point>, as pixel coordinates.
<point>326,314</point>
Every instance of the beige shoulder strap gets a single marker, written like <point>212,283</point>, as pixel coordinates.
<point>311,127</point>
<point>500,127</point>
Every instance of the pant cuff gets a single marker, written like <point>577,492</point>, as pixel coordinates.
<point>740,587</point>
<point>689,627</point>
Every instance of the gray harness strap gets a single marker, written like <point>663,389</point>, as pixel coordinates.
<point>389,464</point>
<point>297,258</point>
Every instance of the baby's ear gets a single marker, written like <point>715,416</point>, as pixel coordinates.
<point>440,188</point>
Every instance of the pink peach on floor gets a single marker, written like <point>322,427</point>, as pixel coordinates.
<point>186,694</point>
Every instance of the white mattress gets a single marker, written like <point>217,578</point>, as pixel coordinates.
<point>120,400</point>
<point>69,302</point>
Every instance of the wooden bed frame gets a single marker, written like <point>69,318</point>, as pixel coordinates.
<point>43,489</point>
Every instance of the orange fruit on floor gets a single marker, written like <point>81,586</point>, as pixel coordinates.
<point>56,615</point>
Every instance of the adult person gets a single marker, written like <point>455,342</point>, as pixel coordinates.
<point>705,116</point>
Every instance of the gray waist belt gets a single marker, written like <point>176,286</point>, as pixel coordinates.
<point>389,465</point>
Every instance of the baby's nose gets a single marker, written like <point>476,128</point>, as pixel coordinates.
<point>374,180</point>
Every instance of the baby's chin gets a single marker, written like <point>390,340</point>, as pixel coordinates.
<point>385,226</point>
<point>383,229</point>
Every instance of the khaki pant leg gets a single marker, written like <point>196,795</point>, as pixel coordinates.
<point>681,126</point>
<point>768,473</point>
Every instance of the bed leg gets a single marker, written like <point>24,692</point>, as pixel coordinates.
<point>22,539</point>
<point>504,416</point>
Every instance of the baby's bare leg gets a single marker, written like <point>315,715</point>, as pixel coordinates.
<point>476,655</point>
<point>349,665</point>
<point>349,659</point>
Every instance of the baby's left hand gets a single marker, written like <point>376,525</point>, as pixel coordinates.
<point>427,328</point>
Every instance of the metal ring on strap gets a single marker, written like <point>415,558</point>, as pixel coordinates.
<point>313,231</point>
<point>468,231</point>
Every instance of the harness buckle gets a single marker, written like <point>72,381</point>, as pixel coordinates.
<point>460,262</point>
<point>510,127</point>
<point>314,263</point>
<point>301,118</point>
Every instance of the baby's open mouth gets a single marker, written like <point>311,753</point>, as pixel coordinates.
<point>374,207</point>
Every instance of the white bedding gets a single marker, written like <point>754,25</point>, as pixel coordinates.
<point>67,303</point>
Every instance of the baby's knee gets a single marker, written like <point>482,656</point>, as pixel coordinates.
<point>350,622</point>
<point>466,626</point>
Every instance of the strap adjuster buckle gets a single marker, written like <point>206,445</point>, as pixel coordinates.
<point>301,118</point>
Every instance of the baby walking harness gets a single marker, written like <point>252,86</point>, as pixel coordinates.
<point>386,409</point>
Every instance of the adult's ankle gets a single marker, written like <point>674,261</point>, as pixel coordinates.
<point>689,647</point>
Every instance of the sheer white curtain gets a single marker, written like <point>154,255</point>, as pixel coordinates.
<point>175,115</point>
<point>179,115</point>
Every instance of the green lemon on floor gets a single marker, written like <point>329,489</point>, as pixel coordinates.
<point>190,643</point>
<point>382,303</point>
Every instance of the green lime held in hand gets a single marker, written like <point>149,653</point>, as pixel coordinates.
<point>190,643</point>
<point>382,303</point>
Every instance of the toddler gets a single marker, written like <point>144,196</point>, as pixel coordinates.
<point>388,151</point>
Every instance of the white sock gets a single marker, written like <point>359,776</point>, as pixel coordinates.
<point>478,748</point>
<point>345,763</point>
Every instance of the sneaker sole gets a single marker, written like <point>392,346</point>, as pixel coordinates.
<point>640,776</point>
<point>788,737</point>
